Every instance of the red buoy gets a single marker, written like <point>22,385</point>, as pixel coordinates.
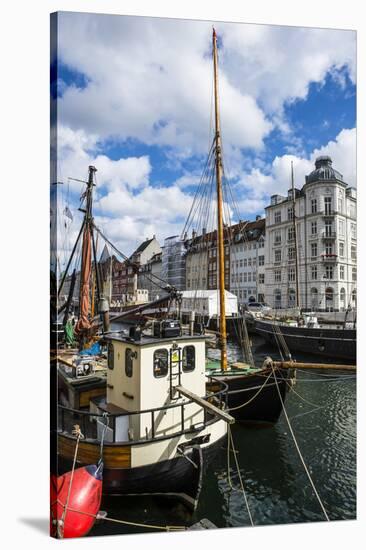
<point>75,517</point>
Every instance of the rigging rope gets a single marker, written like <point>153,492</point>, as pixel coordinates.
<point>231,441</point>
<point>298,449</point>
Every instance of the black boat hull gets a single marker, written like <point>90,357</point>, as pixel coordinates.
<point>254,399</point>
<point>324,342</point>
<point>180,477</point>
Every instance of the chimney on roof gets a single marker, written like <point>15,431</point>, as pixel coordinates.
<point>258,217</point>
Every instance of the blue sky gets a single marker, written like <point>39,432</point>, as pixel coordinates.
<point>135,98</point>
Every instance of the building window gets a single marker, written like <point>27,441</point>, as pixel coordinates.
<point>340,205</point>
<point>277,237</point>
<point>354,295</point>
<point>328,249</point>
<point>277,298</point>
<point>277,216</point>
<point>328,228</point>
<point>291,274</point>
<point>240,278</point>
<point>314,272</point>
<point>353,252</point>
<point>354,274</point>
<point>129,362</point>
<point>314,228</point>
<point>341,228</point>
<point>249,277</point>
<point>314,206</point>
<point>290,233</point>
<point>353,231</point>
<point>260,260</point>
<point>241,263</point>
<point>329,272</point>
<point>341,249</point>
<point>277,256</point>
<point>249,262</point>
<point>314,298</point>
<point>110,356</point>
<point>277,275</point>
<point>291,297</point>
<point>290,213</point>
<point>244,294</point>
<point>314,250</point>
<point>189,358</point>
<point>261,278</point>
<point>245,277</point>
<point>160,363</point>
<point>329,295</point>
<point>291,253</point>
<point>328,205</point>
<point>341,272</point>
<point>245,262</point>
<point>342,298</point>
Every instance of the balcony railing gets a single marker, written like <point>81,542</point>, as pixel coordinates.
<point>329,235</point>
<point>328,213</point>
<point>329,257</point>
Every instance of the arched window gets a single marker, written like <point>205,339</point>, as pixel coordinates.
<point>291,297</point>
<point>354,295</point>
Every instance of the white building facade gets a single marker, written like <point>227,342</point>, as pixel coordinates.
<point>247,256</point>
<point>325,214</point>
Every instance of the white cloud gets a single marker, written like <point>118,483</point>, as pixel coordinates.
<point>151,79</point>
<point>258,185</point>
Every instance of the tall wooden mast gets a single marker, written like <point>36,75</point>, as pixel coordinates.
<point>295,237</point>
<point>220,226</point>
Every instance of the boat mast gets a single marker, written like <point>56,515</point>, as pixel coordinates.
<point>220,229</point>
<point>83,324</point>
<point>295,237</point>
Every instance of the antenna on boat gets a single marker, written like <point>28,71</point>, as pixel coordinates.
<point>295,237</point>
<point>220,228</point>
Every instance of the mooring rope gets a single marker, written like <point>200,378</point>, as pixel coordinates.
<point>298,450</point>
<point>61,522</point>
<point>253,397</point>
<point>132,523</point>
<point>231,440</point>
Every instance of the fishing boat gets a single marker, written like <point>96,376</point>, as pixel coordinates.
<point>146,412</point>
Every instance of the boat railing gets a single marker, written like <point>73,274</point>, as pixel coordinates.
<point>87,420</point>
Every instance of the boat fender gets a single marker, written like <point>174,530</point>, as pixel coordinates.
<point>78,510</point>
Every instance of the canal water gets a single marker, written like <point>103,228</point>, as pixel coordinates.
<point>322,413</point>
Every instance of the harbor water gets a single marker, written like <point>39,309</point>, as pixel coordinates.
<point>322,413</point>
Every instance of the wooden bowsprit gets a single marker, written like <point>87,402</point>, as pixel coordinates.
<point>205,404</point>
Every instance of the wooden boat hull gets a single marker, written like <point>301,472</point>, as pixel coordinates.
<point>180,477</point>
<point>247,403</point>
<point>323,342</point>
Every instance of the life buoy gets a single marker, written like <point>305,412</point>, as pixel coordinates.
<point>83,505</point>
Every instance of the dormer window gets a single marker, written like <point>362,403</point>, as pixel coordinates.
<point>161,363</point>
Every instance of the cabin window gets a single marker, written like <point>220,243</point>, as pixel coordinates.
<point>160,363</point>
<point>189,358</point>
<point>110,356</point>
<point>129,362</point>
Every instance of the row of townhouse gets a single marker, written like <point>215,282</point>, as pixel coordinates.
<point>260,255</point>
